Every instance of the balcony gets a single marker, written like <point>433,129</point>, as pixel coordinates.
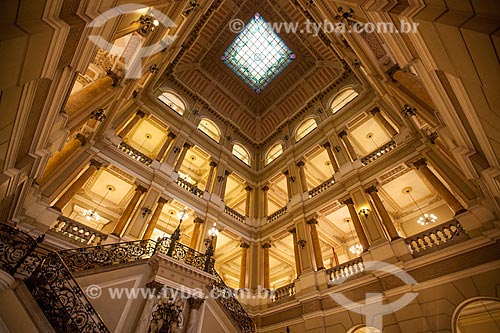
<point>76,231</point>
<point>389,146</point>
<point>189,187</point>
<point>436,238</point>
<point>277,214</point>
<point>284,292</point>
<point>135,154</point>
<point>234,214</point>
<point>338,274</point>
<point>321,187</point>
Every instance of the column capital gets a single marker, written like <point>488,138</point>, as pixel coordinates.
<point>420,163</point>
<point>326,145</point>
<point>141,188</point>
<point>141,114</point>
<point>301,163</point>
<point>155,286</point>
<point>212,164</point>
<point>348,201</point>
<point>195,302</point>
<point>371,189</point>
<point>95,163</point>
<point>227,172</point>
<point>187,145</point>
<point>80,137</point>
<point>198,219</point>
<point>266,245</point>
<point>265,188</point>
<point>163,200</point>
<point>342,133</point>
<point>172,135</point>
<point>375,110</point>
<point>285,172</point>
<point>248,188</point>
<point>292,230</point>
<point>312,220</point>
<point>244,245</point>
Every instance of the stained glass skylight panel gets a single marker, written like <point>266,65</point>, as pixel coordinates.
<point>258,54</point>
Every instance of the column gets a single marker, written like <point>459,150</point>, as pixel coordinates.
<point>266,248</point>
<point>264,190</point>
<point>62,156</point>
<point>154,218</point>
<point>288,185</point>
<point>77,185</point>
<point>223,185</point>
<point>184,150</point>
<point>441,189</point>
<point>192,317</point>
<point>315,242</point>
<point>335,257</point>
<point>171,136</point>
<point>131,124</point>
<point>210,178</point>
<point>83,98</point>
<point>328,147</point>
<point>243,263</point>
<point>198,221</point>
<point>122,222</point>
<point>248,188</point>
<point>382,212</point>
<point>302,175</point>
<point>348,145</point>
<point>144,319</point>
<point>296,251</point>
<point>357,224</point>
<point>383,122</point>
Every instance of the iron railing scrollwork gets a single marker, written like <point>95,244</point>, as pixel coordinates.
<point>186,254</point>
<point>226,298</point>
<point>15,247</point>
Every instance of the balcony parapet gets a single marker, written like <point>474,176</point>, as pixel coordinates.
<point>277,214</point>
<point>321,187</point>
<point>344,271</point>
<point>189,187</point>
<point>234,214</point>
<point>284,292</point>
<point>135,154</point>
<point>436,238</point>
<point>69,228</point>
<point>389,146</point>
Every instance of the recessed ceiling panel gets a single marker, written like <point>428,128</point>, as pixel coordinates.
<point>257,55</point>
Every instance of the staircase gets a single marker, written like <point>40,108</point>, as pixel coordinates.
<point>49,276</point>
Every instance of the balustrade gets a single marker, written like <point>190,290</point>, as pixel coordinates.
<point>344,271</point>
<point>321,187</point>
<point>189,187</point>
<point>283,292</point>
<point>234,214</point>
<point>436,238</point>
<point>379,152</point>
<point>135,154</point>
<point>277,214</point>
<point>15,247</point>
<point>77,231</point>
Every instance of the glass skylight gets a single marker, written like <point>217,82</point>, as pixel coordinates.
<point>257,55</point>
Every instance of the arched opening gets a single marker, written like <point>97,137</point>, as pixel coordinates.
<point>306,127</point>
<point>342,99</point>
<point>273,153</point>
<point>173,101</point>
<point>477,315</point>
<point>364,329</point>
<point>241,153</point>
<point>209,128</point>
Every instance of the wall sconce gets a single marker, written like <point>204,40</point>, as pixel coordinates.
<point>364,211</point>
<point>146,211</point>
<point>337,148</point>
<point>98,115</point>
<point>408,111</point>
<point>302,243</point>
<point>154,69</point>
<point>292,179</point>
<point>147,24</point>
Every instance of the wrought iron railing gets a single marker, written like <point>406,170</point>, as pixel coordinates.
<point>436,238</point>
<point>321,187</point>
<point>15,247</point>
<point>283,292</point>
<point>189,187</point>
<point>344,271</point>
<point>77,231</point>
<point>135,154</point>
<point>186,254</point>
<point>391,145</point>
<point>277,214</point>
<point>61,299</point>
<point>234,214</point>
<point>226,298</point>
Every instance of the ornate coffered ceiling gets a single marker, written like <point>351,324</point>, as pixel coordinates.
<point>198,69</point>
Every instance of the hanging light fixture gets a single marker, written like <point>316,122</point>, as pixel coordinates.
<point>213,232</point>
<point>425,218</point>
<point>147,137</point>
<point>92,215</point>
<point>356,248</point>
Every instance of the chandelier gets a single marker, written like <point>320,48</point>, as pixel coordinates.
<point>425,218</point>
<point>356,248</point>
<point>213,232</point>
<point>92,215</point>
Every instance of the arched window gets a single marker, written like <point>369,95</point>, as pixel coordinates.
<point>343,99</point>
<point>173,101</point>
<point>480,314</point>
<point>273,153</point>
<point>242,153</point>
<point>209,128</point>
<point>364,329</point>
<point>305,128</point>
